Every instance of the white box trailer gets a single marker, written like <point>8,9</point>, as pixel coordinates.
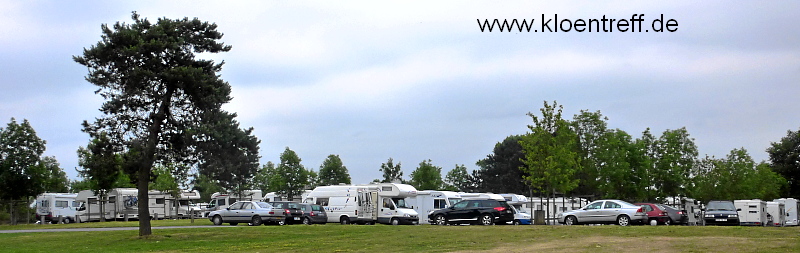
<point>776,214</point>
<point>426,202</point>
<point>366,204</point>
<point>752,212</point>
<point>52,205</point>
<point>792,208</point>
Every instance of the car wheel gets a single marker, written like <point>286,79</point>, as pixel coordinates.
<point>234,223</point>
<point>256,221</point>
<point>653,222</point>
<point>281,222</point>
<point>307,221</point>
<point>571,220</point>
<point>395,222</point>
<point>623,220</point>
<point>668,222</point>
<point>67,221</point>
<point>486,219</point>
<point>217,220</point>
<point>440,220</point>
<point>515,222</point>
<point>344,221</point>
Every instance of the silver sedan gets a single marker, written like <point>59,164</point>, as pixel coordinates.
<point>252,212</point>
<point>610,211</point>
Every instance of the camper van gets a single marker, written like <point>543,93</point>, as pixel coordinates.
<point>521,216</point>
<point>52,205</point>
<point>776,214</point>
<point>123,203</point>
<point>366,204</point>
<point>187,205</point>
<point>792,208</point>
<point>426,202</point>
<point>221,200</point>
<point>752,212</point>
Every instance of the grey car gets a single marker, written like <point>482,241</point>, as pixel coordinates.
<point>610,211</point>
<point>252,212</point>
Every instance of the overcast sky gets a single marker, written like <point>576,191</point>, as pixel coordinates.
<point>419,80</point>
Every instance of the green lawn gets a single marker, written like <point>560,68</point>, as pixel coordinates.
<point>422,238</point>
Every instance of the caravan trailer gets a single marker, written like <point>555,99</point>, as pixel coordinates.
<point>426,202</point>
<point>366,204</point>
<point>777,214</point>
<point>52,205</point>
<point>752,212</point>
<point>792,209</point>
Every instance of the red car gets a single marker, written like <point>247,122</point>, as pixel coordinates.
<point>655,213</point>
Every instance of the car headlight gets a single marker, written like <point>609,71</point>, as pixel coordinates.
<point>407,215</point>
<point>733,216</point>
<point>709,216</point>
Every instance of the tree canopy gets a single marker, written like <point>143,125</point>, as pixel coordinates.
<point>427,177</point>
<point>391,172</point>
<point>333,172</point>
<point>784,157</point>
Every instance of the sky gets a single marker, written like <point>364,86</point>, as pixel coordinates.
<point>419,80</point>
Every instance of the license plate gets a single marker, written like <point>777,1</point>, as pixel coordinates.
<point>296,218</point>
<point>722,219</point>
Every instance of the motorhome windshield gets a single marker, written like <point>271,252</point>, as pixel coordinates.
<point>720,206</point>
<point>400,202</point>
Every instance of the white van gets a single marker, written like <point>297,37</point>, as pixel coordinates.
<point>792,208</point>
<point>752,212</point>
<point>52,205</point>
<point>426,202</point>
<point>366,204</point>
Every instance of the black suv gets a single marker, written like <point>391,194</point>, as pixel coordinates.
<point>474,211</point>
<point>294,214</point>
<point>721,212</point>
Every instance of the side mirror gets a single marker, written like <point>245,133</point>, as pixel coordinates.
<point>738,209</point>
<point>228,208</point>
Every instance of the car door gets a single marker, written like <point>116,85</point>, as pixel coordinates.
<point>231,214</point>
<point>459,211</point>
<point>590,213</point>
<point>246,212</point>
<point>610,211</point>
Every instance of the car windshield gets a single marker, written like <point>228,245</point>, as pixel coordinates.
<point>720,206</point>
<point>263,204</point>
<point>400,202</point>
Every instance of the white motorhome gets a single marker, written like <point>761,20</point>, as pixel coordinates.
<point>52,205</point>
<point>792,208</point>
<point>426,202</point>
<point>777,214</point>
<point>90,209</point>
<point>366,204</point>
<point>123,203</point>
<point>221,200</point>
<point>274,196</point>
<point>752,212</point>
<point>521,216</point>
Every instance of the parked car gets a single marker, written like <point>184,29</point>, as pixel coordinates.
<point>655,214</point>
<point>474,211</point>
<point>721,212</point>
<point>252,212</point>
<point>313,214</point>
<point>677,217</point>
<point>610,211</point>
<point>292,209</point>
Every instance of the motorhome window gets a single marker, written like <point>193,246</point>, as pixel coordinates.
<point>92,201</point>
<point>220,202</point>
<point>76,204</point>
<point>183,202</point>
<point>277,199</point>
<point>386,188</point>
<point>322,201</point>
<point>44,203</point>
<point>62,203</point>
<point>400,202</point>
<point>160,201</point>
<point>112,199</point>
<point>387,203</point>
<point>439,203</point>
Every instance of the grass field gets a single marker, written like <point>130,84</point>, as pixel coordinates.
<point>422,238</point>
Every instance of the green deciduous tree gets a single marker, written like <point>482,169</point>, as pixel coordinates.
<point>206,186</point>
<point>458,179</point>
<point>157,91</point>
<point>291,177</point>
<point>676,156</point>
<point>551,152</point>
<point>784,157</point>
<point>590,127</point>
<point>55,178</point>
<point>427,177</point>
<point>21,172</point>
<point>264,176</point>
<point>333,172</point>
<point>736,176</point>
<point>391,172</point>
<point>102,166</point>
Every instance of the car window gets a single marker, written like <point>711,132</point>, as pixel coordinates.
<point>247,206</point>
<point>647,208</point>
<point>612,204</point>
<point>277,205</point>
<point>236,206</point>
<point>596,205</point>
<point>294,205</point>
<point>263,205</point>
<point>490,203</point>
<point>305,208</point>
<point>461,204</point>
<point>316,207</point>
